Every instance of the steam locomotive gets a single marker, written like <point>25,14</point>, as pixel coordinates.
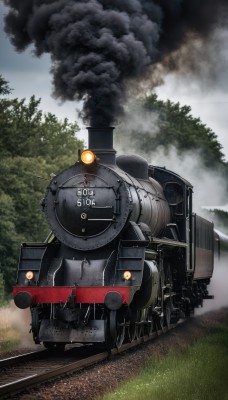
<point>126,254</point>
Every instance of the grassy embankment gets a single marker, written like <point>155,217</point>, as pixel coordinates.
<point>198,373</point>
<point>9,336</point>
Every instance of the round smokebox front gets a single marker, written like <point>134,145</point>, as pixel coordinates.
<point>88,206</point>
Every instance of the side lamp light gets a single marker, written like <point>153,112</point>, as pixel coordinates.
<point>127,275</point>
<point>29,275</point>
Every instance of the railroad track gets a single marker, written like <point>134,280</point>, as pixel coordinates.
<point>22,372</point>
<point>16,360</point>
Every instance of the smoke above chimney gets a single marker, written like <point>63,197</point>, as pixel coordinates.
<point>98,46</point>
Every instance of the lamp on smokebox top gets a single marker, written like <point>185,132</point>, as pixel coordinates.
<point>88,157</point>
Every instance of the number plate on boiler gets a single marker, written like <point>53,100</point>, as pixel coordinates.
<point>84,197</point>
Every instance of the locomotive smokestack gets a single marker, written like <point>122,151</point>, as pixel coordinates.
<point>101,142</point>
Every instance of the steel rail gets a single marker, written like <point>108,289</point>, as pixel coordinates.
<point>36,378</point>
<point>10,361</point>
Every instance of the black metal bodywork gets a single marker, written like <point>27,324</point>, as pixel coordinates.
<point>113,217</point>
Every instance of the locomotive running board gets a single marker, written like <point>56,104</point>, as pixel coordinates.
<point>169,242</point>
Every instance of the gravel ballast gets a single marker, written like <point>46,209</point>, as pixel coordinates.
<point>97,380</point>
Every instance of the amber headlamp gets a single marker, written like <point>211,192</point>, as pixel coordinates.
<point>127,275</point>
<point>29,275</point>
<point>88,157</point>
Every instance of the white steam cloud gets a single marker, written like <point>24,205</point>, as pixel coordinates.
<point>208,186</point>
<point>217,288</point>
<point>15,325</point>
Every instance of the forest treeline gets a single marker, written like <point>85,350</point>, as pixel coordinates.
<point>34,144</point>
<point>157,123</point>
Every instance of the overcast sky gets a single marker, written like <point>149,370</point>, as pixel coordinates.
<point>28,75</point>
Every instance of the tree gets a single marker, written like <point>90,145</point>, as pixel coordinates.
<point>179,128</point>
<point>169,124</point>
<point>4,86</point>
<point>32,146</point>
<point>2,289</point>
<point>153,126</point>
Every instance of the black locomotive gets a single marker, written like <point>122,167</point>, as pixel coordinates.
<point>126,253</point>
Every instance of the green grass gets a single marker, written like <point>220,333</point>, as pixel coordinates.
<point>8,345</point>
<point>198,373</point>
<point>9,335</point>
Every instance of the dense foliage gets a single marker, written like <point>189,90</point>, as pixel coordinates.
<point>154,128</point>
<point>32,146</point>
<point>166,124</point>
<point>179,128</point>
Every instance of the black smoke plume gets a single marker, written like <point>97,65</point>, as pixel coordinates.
<point>97,46</point>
